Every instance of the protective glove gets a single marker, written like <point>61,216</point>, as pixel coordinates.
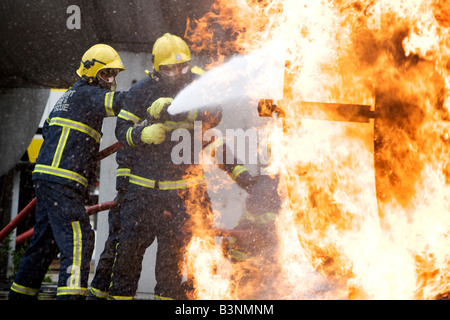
<point>156,133</point>
<point>155,109</point>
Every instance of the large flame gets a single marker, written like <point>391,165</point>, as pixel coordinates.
<point>366,210</point>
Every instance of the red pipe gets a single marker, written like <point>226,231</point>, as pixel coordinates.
<point>109,150</point>
<point>17,220</point>
<point>32,205</point>
<point>100,207</point>
<point>24,236</point>
<point>90,210</point>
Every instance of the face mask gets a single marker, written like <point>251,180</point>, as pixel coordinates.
<point>174,70</point>
<point>107,78</point>
<point>176,76</point>
<point>174,83</point>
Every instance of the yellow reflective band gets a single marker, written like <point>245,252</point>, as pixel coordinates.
<point>181,184</point>
<point>60,147</point>
<point>98,293</point>
<point>192,116</point>
<point>76,259</point>
<point>172,125</point>
<point>123,114</point>
<point>167,185</point>
<point>143,182</point>
<point>63,173</point>
<point>161,297</point>
<point>109,97</point>
<point>237,171</point>
<point>212,148</point>
<point>239,255</point>
<point>24,290</point>
<point>130,137</point>
<point>119,298</point>
<point>267,217</point>
<point>247,216</point>
<point>112,272</point>
<point>74,281</point>
<point>259,220</point>
<point>77,126</point>
<point>122,172</point>
<point>61,291</point>
<point>218,143</point>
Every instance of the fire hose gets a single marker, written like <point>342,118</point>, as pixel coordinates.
<point>32,205</point>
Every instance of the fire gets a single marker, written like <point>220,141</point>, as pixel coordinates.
<point>365,206</point>
<point>206,267</point>
<point>212,271</point>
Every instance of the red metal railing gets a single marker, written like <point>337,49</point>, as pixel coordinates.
<point>32,205</point>
<point>17,220</point>
<point>90,210</point>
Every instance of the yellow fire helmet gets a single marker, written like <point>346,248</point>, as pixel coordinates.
<point>170,49</point>
<point>98,57</point>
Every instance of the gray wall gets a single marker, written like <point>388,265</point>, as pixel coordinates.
<point>21,111</point>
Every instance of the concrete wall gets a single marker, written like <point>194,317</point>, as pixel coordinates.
<point>21,110</point>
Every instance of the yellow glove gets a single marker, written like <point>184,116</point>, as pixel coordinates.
<point>155,109</point>
<point>156,133</point>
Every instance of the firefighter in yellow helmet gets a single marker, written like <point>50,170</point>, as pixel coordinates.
<point>171,59</point>
<point>100,66</point>
<point>72,134</point>
<point>153,204</point>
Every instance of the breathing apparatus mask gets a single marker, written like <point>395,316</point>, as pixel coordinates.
<point>107,79</point>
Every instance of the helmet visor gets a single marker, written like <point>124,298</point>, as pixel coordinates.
<point>173,70</point>
<point>108,75</point>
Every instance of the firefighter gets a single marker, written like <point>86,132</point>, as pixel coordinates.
<point>153,204</point>
<point>102,277</point>
<point>261,209</point>
<point>256,247</point>
<point>218,151</point>
<point>72,134</point>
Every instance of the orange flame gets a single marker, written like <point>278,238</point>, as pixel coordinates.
<point>365,209</point>
<point>206,265</point>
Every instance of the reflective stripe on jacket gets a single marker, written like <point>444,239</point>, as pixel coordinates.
<point>72,134</point>
<point>153,165</point>
<point>167,185</point>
